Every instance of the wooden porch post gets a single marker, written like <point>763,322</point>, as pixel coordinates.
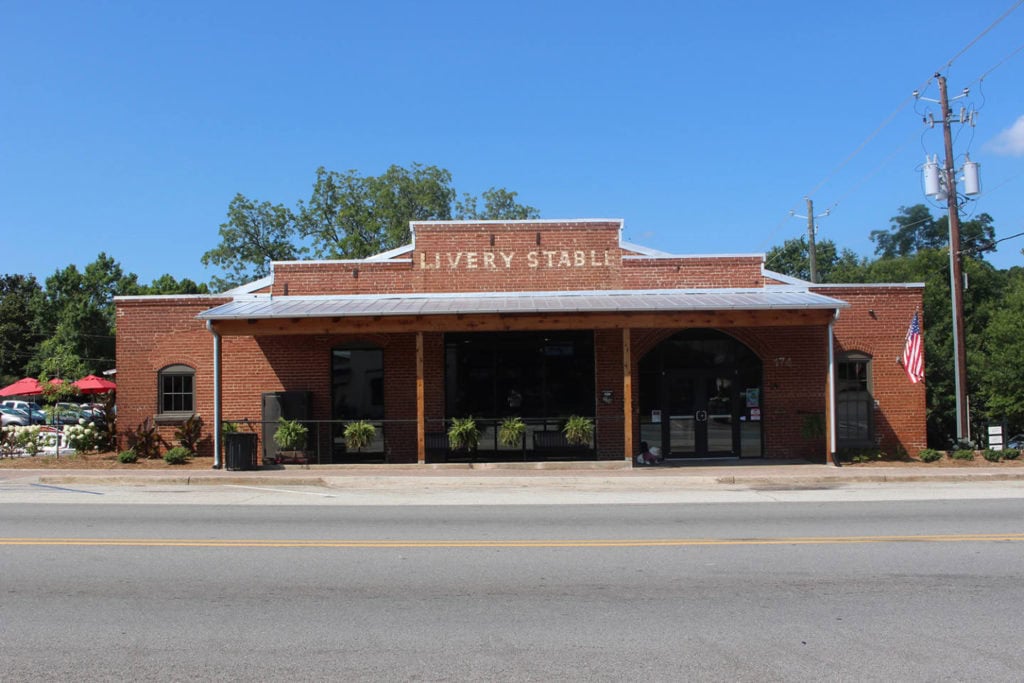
<point>627,394</point>
<point>421,439</point>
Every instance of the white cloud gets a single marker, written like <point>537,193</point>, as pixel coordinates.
<point>1010,142</point>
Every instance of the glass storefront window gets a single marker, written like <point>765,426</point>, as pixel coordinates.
<point>528,374</point>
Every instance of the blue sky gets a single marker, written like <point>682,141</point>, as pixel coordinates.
<point>127,127</point>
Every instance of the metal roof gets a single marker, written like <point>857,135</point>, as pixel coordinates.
<point>463,303</point>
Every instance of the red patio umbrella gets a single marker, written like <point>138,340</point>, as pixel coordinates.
<point>26,386</point>
<point>91,384</point>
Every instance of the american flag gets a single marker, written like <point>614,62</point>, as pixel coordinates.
<point>913,352</point>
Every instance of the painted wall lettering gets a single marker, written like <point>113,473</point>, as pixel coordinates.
<point>506,260</point>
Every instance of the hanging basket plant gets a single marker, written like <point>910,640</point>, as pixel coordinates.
<point>463,433</point>
<point>359,434</point>
<point>578,430</point>
<point>291,435</point>
<point>511,432</point>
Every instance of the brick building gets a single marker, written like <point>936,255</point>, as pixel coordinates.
<point>702,356</point>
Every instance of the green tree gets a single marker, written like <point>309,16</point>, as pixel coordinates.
<point>167,284</point>
<point>793,259</point>
<point>354,216</point>
<point>21,303</point>
<point>255,234</point>
<point>915,229</point>
<point>499,205</point>
<point>79,318</point>
<point>1000,361</point>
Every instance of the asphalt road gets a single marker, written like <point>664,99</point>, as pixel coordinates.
<point>901,590</point>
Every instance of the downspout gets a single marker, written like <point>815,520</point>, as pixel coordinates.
<point>830,455</point>
<point>217,461</point>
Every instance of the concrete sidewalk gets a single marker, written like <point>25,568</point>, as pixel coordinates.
<point>476,476</point>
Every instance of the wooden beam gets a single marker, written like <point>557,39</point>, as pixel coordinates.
<point>421,429</point>
<point>627,392</point>
<point>501,322</point>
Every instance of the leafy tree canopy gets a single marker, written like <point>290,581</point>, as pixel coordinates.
<point>999,359</point>
<point>793,259</point>
<point>255,234</point>
<point>499,204</point>
<point>167,284</point>
<point>354,216</point>
<point>347,216</point>
<point>21,307</point>
<point>914,229</point>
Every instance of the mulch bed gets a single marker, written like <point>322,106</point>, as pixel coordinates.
<point>97,461</point>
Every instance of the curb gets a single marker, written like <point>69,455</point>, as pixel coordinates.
<point>518,478</point>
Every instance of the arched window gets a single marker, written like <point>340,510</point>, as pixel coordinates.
<point>854,401</point>
<point>177,388</point>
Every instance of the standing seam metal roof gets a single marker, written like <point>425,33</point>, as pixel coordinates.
<point>462,303</point>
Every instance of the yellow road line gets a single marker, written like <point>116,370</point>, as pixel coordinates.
<point>540,543</point>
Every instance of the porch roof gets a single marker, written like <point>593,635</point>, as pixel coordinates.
<point>264,307</point>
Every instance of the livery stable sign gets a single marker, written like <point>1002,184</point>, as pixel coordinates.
<point>507,260</point>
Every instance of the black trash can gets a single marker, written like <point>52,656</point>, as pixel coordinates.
<point>241,448</point>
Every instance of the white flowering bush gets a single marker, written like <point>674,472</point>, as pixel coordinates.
<point>82,436</point>
<point>23,438</point>
<point>7,445</point>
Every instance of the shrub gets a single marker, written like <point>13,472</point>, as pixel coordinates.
<point>127,457</point>
<point>962,454</point>
<point>991,455</point>
<point>867,455</point>
<point>145,440</point>
<point>929,455</point>
<point>178,455</point>
<point>26,438</point>
<point>189,432</point>
<point>83,437</point>
<point>1011,454</point>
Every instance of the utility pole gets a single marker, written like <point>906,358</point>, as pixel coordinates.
<point>943,186</point>
<point>811,248</point>
<point>956,278</point>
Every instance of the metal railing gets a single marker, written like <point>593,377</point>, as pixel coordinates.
<point>326,441</point>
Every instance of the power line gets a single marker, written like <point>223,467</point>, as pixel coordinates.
<point>910,98</point>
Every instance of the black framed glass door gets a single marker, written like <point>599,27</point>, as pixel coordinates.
<point>701,418</point>
<point>700,397</point>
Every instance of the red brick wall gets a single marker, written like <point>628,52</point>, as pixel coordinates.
<point>876,324</point>
<point>479,257</point>
<point>611,440</point>
<point>794,371</point>
<point>154,333</point>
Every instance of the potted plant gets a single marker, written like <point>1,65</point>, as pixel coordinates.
<point>359,434</point>
<point>578,430</point>
<point>290,437</point>
<point>511,432</point>
<point>463,434</point>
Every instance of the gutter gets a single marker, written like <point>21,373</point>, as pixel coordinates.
<point>217,417</point>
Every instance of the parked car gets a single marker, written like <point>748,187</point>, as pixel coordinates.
<point>10,416</point>
<point>27,407</point>
<point>64,414</point>
<point>1016,442</point>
